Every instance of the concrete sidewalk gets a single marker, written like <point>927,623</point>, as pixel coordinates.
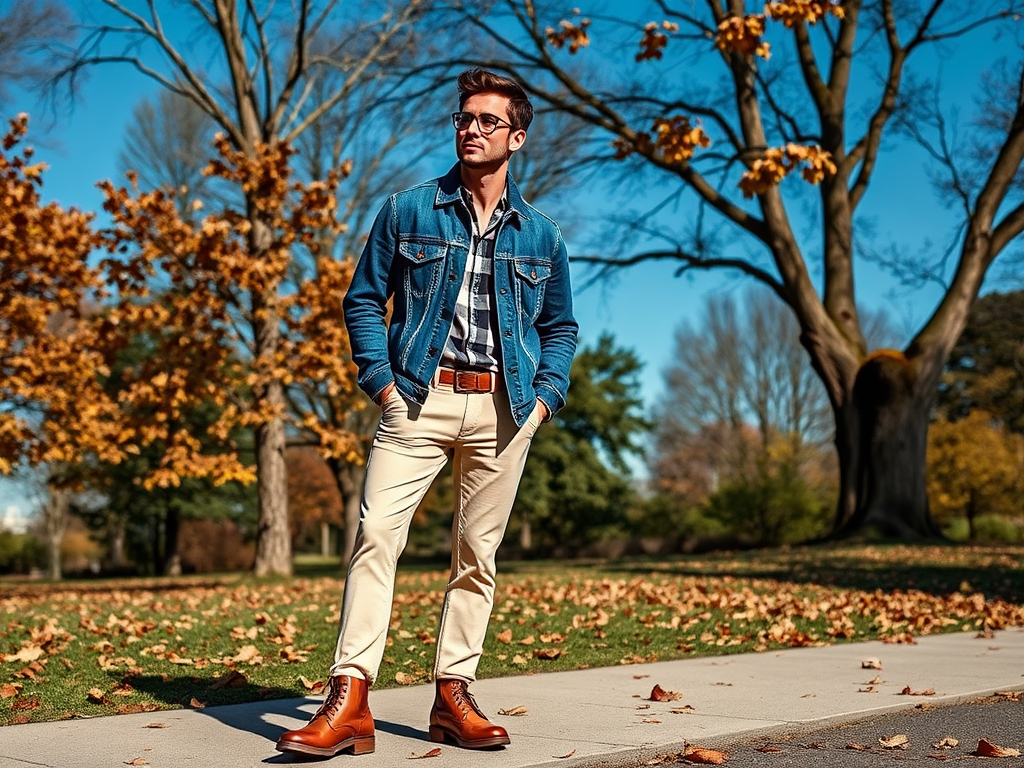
<point>594,717</point>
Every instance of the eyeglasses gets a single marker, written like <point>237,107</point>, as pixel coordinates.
<point>488,123</point>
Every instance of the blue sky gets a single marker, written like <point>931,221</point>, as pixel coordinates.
<point>642,305</point>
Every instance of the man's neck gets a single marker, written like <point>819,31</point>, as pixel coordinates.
<point>487,186</point>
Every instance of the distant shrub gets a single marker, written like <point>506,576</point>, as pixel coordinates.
<point>212,546</point>
<point>20,553</point>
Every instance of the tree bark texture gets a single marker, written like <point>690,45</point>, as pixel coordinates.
<point>883,466</point>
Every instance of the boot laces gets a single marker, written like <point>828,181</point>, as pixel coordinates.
<point>464,700</point>
<point>336,691</point>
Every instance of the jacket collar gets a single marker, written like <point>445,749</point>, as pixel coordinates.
<point>448,192</point>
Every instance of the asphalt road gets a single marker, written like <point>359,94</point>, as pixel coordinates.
<point>998,719</point>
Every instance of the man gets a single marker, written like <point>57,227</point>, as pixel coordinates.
<point>475,357</point>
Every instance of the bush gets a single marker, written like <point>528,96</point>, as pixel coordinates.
<point>20,553</point>
<point>209,546</point>
<point>770,509</point>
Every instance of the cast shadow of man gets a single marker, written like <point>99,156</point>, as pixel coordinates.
<point>264,712</point>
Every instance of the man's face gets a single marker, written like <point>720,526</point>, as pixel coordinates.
<point>479,150</point>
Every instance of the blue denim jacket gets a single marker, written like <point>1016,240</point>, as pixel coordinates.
<point>416,253</point>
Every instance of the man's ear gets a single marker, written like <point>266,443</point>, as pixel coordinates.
<point>516,140</point>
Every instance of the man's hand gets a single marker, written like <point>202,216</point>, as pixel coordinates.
<point>545,412</point>
<point>385,394</point>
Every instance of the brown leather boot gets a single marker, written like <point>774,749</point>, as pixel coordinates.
<point>455,717</point>
<point>342,722</point>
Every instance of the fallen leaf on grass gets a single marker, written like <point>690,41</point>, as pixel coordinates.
<point>517,711</point>
<point>947,743</point>
<point>196,703</point>
<point>897,741</point>
<point>435,752</point>
<point>233,679</point>
<point>987,749</point>
<point>9,690</point>
<point>32,703</point>
<point>404,678</point>
<point>547,653</point>
<point>26,654</point>
<point>660,694</point>
<point>908,692</point>
<point>96,696</point>
<point>505,636</point>
<point>705,756</point>
<point>563,757</point>
<point>871,664</point>
<point>315,686</point>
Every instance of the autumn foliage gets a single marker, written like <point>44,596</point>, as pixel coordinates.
<point>52,407</point>
<point>183,285</point>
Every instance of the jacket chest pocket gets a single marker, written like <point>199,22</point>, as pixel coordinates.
<point>422,264</point>
<point>531,278</point>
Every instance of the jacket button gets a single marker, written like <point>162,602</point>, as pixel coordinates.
<point>419,255</point>
<point>533,273</point>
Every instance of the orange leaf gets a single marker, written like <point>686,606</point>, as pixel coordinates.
<point>898,741</point>
<point>505,636</point>
<point>435,752</point>
<point>660,694</point>
<point>987,749</point>
<point>563,757</point>
<point>233,679</point>
<point>705,756</point>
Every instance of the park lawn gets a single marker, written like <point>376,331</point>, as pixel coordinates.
<point>90,648</point>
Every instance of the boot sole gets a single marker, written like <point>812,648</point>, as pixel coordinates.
<point>442,735</point>
<point>360,745</point>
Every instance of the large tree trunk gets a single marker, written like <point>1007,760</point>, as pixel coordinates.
<point>171,563</point>
<point>56,514</point>
<point>882,446</point>
<point>349,478</point>
<point>273,537</point>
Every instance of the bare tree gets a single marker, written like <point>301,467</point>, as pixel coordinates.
<point>701,74</point>
<point>30,33</point>
<point>168,144</point>
<point>270,66</point>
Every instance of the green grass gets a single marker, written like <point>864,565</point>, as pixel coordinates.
<point>164,643</point>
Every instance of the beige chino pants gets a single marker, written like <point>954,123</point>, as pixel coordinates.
<point>412,444</point>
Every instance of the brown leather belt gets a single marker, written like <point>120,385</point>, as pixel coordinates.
<point>468,381</point>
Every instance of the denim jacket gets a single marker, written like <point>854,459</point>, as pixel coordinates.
<point>416,254</point>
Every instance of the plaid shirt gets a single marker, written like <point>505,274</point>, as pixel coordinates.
<point>472,340</point>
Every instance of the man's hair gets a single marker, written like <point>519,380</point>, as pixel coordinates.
<point>476,80</point>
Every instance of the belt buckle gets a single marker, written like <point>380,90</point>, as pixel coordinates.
<point>472,382</point>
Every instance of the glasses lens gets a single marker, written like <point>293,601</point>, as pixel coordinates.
<point>488,123</point>
<point>462,120</point>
